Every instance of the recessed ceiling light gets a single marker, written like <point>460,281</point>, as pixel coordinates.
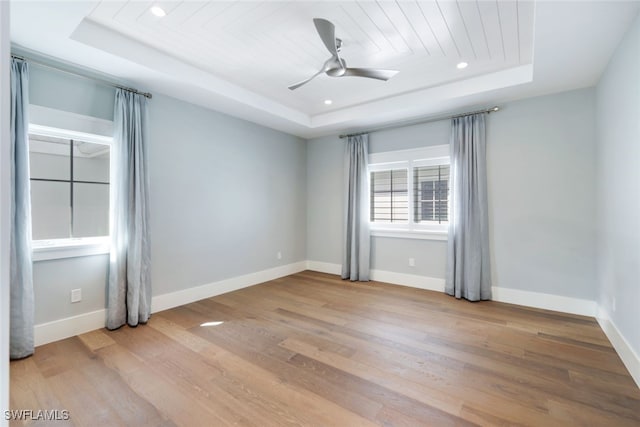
<point>328,102</point>
<point>462,65</point>
<point>158,11</point>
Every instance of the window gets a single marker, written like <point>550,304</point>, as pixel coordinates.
<point>431,193</point>
<point>410,193</point>
<point>69,188</point>
<point>389,196</point>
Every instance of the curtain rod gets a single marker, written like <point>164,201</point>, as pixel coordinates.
<point>418,122</point>
<point>104,82</point>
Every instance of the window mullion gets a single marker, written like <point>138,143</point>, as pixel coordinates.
<point>391,195</point>
<point>439,196</point>
<point>410,196</point>
<point>372,197</point>
<point>71,186</point>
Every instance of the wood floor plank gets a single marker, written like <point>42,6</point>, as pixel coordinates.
<point>30,390</point>
<point>267,382</point>
<point>311,349</point>
<point>96,340</point>
<point>230,389</point>
<point>577,414</point>
<point>65,385</point>
<point>345,398</point>
<point>158,388</point>
<point>446,402</point>
<point>271,384</point>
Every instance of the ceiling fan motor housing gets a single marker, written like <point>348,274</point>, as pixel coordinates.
<point>338,68</point>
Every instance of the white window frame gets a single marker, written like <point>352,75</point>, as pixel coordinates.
<point>50,122</point>
<point>409,159</point>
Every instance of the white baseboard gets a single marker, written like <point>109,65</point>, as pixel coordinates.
<point>45,333</point>
<point>545,301</point>
<point>500,294</point>
<point>186,296</point>
<point>324,267</point>
<point>629,357</point>
<point>411,280</point>
<point>64,328</point>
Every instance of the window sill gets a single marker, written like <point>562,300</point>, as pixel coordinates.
<point>413,234</point>
<point>69,248</point>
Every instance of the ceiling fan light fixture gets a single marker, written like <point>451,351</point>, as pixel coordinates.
<point>462,65</point>
<point>158,11</point>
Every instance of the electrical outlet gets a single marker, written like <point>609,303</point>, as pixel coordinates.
<point>613,304</point>
<point>412,262</point>
<point>279,255</point>
<point>76,295</point>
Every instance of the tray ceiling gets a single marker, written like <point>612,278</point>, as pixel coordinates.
<point>240,56</point>
<point>266,46</point>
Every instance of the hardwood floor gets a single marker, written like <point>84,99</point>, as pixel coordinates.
<point>310,349</point>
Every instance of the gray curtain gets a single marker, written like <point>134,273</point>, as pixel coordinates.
<point>356,252</point>
<point>21,268</point>
<point>468,267</point>
<point>129,285</point>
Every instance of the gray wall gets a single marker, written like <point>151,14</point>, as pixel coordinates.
<point>618,195</point>
<point>324,199</point>
<point>53,281</point>
<point>541,159</point>
<point>66,92</point>
<point>540,156</point>
<point>226,196</point>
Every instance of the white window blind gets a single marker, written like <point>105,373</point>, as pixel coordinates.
<point>390,196</point>
<point>431,194</point>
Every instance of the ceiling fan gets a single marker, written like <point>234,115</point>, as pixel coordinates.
<point>336,66</point>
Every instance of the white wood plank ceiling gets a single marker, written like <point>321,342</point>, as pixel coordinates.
<point>266,46</point>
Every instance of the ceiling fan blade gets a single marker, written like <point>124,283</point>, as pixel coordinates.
<point>327,32</point>
<point>370,73</point>
<point>297,85</point>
